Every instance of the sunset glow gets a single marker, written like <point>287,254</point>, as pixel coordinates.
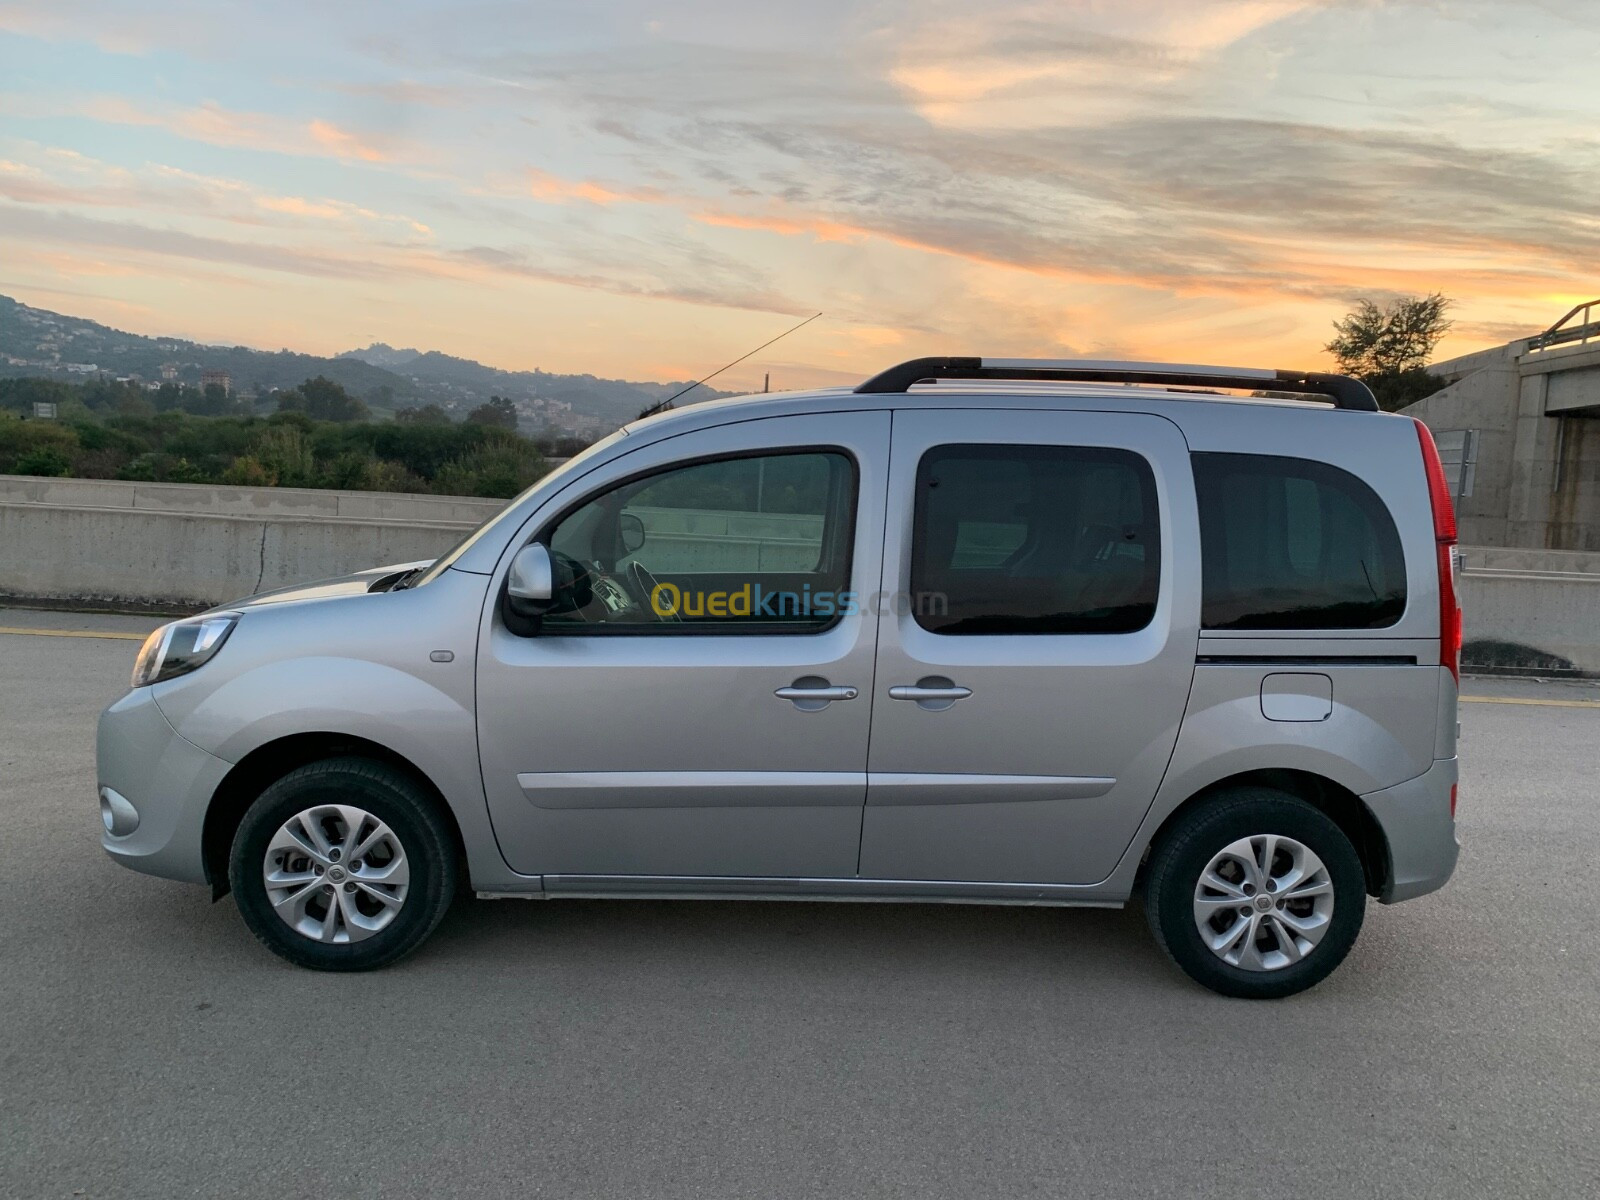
<point>647,191</point>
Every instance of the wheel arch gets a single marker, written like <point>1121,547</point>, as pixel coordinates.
<point>271,761</point>
<point>1342,806</point>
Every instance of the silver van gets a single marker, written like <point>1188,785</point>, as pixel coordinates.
<point>996,631</point>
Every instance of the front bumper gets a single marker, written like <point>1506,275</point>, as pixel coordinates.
<point>1421,832</point>
<point>167,782</point>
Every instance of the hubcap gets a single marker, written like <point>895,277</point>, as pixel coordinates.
<point>323,900</point>
<point>1263,903</point>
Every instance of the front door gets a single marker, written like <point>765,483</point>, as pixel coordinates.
<point>1034,669</point>
<point>697,702</point>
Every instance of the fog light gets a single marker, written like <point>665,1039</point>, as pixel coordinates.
<point>118,815</point>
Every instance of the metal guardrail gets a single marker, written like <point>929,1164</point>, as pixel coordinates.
<point>1563,334</point>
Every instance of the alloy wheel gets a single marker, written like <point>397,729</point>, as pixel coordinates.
<point>336,873</point>
<point>1263,902</point>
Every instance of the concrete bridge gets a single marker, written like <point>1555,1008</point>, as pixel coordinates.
<point>1522,418</point>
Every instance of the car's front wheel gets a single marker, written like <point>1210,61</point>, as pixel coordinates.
<point>343,865</point>
<point>1255,893</point>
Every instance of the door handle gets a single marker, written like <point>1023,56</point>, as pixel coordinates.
<point>821,693</point>
<point>813,693</point>
<point>929,693</point>
<point>933,693</point>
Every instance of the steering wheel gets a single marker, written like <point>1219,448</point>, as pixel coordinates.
<point>646,583</point>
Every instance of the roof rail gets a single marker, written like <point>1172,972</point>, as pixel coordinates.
<point>1345,392</point>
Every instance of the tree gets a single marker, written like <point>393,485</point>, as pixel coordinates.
<point>500,412</point>
<point>322,399</point>
<point>426,414</point>
<point>211,401</point>
<point>1388,347</point>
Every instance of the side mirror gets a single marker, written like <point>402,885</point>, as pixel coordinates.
<point>530,587</point>
<point>532,577</point>
<point>631,529</point>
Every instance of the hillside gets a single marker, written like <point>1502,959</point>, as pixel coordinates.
<point>38,342</point>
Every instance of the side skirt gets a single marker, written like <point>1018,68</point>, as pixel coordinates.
<point>717,887</point>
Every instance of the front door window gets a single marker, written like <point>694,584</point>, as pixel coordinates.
<point>752,544</point>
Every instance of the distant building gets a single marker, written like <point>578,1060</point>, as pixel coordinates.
<point>221,378</point>
<point>1513,428</point>
<point>169,371</point>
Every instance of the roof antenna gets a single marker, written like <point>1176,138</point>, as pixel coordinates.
<point>664,405</point>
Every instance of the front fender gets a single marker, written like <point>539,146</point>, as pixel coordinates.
<point>383,704</point>
<point>367,667</point>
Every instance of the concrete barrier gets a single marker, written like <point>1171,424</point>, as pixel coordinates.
<point>176,547</point>
<point>182,547</point>
<point>1531,610</point>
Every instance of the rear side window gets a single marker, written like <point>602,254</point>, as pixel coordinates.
<point>1034,539</point>
<point>1289,543</point>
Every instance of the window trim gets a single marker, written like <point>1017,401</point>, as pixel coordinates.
<point>1150,486</point>
<point>683,629</point>
<point>1403,566</point>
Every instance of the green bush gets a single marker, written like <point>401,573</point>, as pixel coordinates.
<point>500,470</point>
<point>113,431</point>
<point>285,454</point>
<point>43,460</point>
<point>248,471</point>
<point>38,443</point>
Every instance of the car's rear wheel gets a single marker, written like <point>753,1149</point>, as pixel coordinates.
<point>1255,893</point>
<point>343,865</point>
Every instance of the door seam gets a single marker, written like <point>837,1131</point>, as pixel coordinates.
<point>877,640</point>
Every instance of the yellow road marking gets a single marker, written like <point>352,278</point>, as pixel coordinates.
<point>83,633</point>
<point>1524,700</point>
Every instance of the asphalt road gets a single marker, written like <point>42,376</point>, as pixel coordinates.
<point>150,1047</point>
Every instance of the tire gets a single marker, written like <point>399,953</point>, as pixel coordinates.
<point>1270,946</point>
<point>324,913</point>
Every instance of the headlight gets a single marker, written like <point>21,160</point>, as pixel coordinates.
<point>182,646</point>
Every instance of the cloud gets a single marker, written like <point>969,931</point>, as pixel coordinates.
<point>71,229</point>
<point>113,28</point>
<point>215,125</point>
<point>690,290</point>
<point>1195,205</point>
<point>1035,66</point>
<point>1030,174</point>
<point>341,143</point>
<point>72,179</point>
<point>335,210</point>
<point>666,267</point>
<point>542,185</point>
<point>813,227</point>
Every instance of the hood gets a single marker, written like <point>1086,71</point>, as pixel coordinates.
<point>376,579</point>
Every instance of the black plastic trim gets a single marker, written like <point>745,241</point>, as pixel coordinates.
<point>1309,660</point>
<point>1345,392</point>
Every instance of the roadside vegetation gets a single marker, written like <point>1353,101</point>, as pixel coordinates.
<point>1388,346</point>
<point>317,436</point>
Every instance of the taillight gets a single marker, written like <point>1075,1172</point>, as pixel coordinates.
<point>1453,787</point>
<point>1444,535</point>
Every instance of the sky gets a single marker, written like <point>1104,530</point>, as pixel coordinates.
<point>646,191</point>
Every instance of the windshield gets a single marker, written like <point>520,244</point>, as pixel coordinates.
<point>450,556</point>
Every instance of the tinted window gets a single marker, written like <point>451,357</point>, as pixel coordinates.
<point>745,543</point>
<point>1034,539</point>
<point>1294,544</point>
